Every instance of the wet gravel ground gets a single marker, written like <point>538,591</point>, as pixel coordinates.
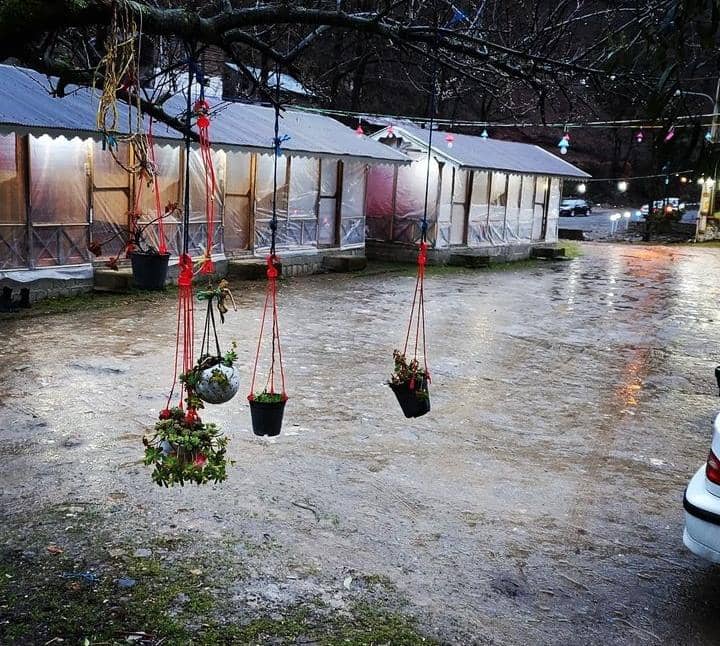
<point>540,502</point>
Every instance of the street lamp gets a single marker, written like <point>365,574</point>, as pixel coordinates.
<point>707,196</point>
<point>581,188</point>
<point>622,186</point>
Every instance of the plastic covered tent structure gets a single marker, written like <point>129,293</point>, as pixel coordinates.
<point>482,192</point>
<point>60,190</point>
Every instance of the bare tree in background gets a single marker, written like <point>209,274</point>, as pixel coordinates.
<point>568,59</point>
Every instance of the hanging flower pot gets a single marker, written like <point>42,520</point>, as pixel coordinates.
<point>214,379</point>
<point>410,385</point>
<point>149,269</point>
<point>414,402</point>
<point>266,412</point>
<point>218,383</point>
<point>184,449</point>
<point>267,408</point>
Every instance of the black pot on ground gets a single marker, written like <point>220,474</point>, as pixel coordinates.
<point>149,269</point>
<point>267,417</point>
<point>416,402</point>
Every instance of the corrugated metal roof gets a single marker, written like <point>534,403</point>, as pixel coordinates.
<point>25,103</point>
<point>473,152</point>
<point>287,82</point>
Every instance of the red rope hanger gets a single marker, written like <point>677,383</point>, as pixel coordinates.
<point>416,323</point>
<point>276,361</point>
<point>162,240</point>
<point>202,109</point>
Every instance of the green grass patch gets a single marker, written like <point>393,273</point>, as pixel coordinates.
<point>89,302</point>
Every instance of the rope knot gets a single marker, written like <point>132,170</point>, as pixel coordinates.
<point>272,272</point>
<point>422,254</point>
<point>201,107</point>
<point>186,271</point>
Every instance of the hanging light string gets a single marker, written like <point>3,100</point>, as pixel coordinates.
<point>646,124</point>
<point>633,177</point>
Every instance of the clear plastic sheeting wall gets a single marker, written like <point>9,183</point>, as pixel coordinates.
<point>380,202</point>
<point>540,208</point>
<point>59,206</point>
<point>327,206</point>
<point>410,201</point>
<point>198,201</point>
<point>110,198</point>
<point>511,232</point>
<point>456,231</point>
<point>13,216</point>
<point>236,215</point>
<point>304,189</point>
<point>352,222</point>
<point>444,211</point>
<point>478,226</point>
<point>264,201</point>
<point>525,218</point>
<point>167,162</point>
<point>553,213</point>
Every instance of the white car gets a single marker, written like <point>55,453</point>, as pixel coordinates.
<point>702,505</point>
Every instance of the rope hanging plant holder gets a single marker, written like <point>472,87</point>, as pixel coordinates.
<point>267,406</point>
<point>118,73</point>
<point>215,376</point>
<point>183,448</point>
<point>410,379</point>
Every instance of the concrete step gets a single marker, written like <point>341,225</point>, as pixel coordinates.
<point>343,263</point>
<point>109,280</point>
<point>551,253</point>
<point>250,269</point>
<point>471,260</point>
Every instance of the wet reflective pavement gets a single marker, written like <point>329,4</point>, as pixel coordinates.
<point>540,502</point>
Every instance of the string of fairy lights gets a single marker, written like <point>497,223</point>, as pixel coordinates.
<point>639,127</point>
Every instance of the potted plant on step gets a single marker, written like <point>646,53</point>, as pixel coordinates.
<point>214,379</point>
<point>267,410</point>
<point>184,449</point>
<point>410,384</point>
<point>149,265</point>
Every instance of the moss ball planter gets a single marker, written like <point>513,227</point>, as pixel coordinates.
<point>218,383</point>
<point>266,412</point>
<point>214,379</point>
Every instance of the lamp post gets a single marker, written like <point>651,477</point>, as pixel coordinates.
<point>707,197</point>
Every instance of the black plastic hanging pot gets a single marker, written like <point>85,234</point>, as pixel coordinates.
<point>149,269</point>
<point>267,417</point>
<point>415,402</point>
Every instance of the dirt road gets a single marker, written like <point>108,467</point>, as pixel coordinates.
<point>538,503</point>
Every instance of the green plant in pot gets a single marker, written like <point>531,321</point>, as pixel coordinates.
<point>149,264</point>
<point>409,382</point>
<point>266,411</point>
<point>214,379</point>
<point>184,449</point>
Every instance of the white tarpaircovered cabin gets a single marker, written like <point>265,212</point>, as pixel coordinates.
<point>61,190</point>
<point>485,194</point>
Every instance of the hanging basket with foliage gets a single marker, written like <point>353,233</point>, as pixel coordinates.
<point>267,406</point>
<point>409,382</point>
<point>185,449</point>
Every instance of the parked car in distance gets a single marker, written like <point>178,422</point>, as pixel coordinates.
<point>702,502</point>
<point>573,207</point>
<point>673,205</point>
